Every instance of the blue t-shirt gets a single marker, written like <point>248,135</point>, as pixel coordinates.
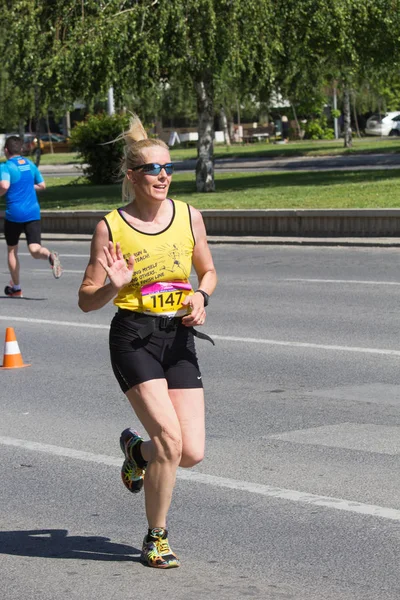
<point>21,201</point>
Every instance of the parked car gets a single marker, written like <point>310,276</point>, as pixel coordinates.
<point>395,131</point>
<point>383,124</point>
<point>60,143</point>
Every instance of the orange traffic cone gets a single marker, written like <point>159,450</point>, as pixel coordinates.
<point>12,355</point>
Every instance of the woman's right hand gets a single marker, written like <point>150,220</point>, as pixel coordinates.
<point>118,270</point>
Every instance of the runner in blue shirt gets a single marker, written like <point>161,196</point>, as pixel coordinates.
<point>20,179</point>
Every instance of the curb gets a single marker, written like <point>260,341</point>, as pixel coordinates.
<point>298,223</point>
<point>254,240</point>
<point>365,226</point>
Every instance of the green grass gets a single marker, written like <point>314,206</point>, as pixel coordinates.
<point>335,189</point>
<point>62,158</point>
<point>369,145</point>
<point>307,148</point>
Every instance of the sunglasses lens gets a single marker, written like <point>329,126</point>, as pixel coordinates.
<point>155,168</point>
<point>152,169</point>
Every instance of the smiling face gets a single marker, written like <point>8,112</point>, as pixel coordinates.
<point>151,187</point>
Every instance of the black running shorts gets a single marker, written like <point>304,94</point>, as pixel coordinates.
<point>167,353</point>
<point>32,230</point>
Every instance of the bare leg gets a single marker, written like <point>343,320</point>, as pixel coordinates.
<point>153,406</point>
<point>189,408</point>
<point>13,263</point>
<point>38,251</point>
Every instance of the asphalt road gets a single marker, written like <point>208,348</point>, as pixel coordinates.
<point>353,162</point>
<point>298,496</point>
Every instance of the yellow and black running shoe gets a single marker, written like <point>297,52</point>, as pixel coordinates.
<point>156,551</point>
<point>132,473</point>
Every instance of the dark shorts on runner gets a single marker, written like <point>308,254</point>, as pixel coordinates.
<point>167,353</point>
<point>32,230</point>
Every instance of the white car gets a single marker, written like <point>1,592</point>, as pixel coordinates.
<point>383,124</point>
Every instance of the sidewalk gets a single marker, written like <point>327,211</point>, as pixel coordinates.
<point>361,242</point>
<point>359,228</point>
<point>346,162</point>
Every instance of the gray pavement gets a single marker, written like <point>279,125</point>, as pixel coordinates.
<point>298,496</point>
<point>323,163</point>
<point>363,242</point>
<point>296,163</point>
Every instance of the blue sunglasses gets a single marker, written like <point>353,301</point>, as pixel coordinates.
<point>155,168</point>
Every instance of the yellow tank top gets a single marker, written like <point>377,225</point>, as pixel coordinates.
<point>163,262</point>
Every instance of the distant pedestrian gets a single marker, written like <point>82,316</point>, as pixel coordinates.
<point>20,179</point>
<point>285,128</point>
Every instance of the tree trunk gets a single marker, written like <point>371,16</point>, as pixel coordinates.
<point>335,120</point>
<point>348,141</point>
<point>225,128</point>
<point>21,128</point>
<point>37,152</point>
<point>355,116</point>
<point>205,147</point>
<point>49,134</point>
<point>296,121</point>
<point>67,131</point>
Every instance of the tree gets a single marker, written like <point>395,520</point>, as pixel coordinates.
<point>135,45</point>
<point>337,40</point>
<point>33,34</point>
<point>209,40</point>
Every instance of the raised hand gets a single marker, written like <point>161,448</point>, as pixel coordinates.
<point>118,271</point>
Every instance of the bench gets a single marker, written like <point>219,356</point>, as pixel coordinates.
<point>257,134</point>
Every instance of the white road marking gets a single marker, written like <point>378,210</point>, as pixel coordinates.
<point>221,482</point>
<point>224,338</point>
<point>51,322</point>
<point>360,281</point>
<point>80,271</point>
<point>229,338</point>
<point>62,255</point>
<point>46,271</point>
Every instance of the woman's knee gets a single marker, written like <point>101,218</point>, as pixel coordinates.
<point>191,457</point>
<point>167,446</point>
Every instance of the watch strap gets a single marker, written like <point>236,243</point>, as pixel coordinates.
<point>205,296</point>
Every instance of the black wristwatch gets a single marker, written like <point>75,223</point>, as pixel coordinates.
<point>205,296</point>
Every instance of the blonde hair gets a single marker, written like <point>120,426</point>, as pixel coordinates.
<point>136,140</point>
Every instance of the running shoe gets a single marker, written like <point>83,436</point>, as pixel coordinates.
<point>156,551</point>
<point>11,293</point>
<point>55,263</point>
<point>132,475</point>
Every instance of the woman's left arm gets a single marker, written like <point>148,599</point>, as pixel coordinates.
<point>205,270</point>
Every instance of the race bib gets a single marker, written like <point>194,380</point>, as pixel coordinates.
<point>166,297</point>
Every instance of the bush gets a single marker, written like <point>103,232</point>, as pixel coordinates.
<point>93,138</point>
<point>317,129</point>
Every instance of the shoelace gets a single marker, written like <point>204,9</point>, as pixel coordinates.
<point>163,547</point>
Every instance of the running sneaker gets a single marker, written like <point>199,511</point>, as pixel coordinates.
<point>156,551</point>
<point>55,263</point>
<point>11,293</point>
<point>132,475</point>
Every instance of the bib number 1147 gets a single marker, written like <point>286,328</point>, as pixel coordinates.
<point>171,300</point>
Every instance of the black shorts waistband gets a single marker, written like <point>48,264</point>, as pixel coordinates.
<point>152,323</point>
<point>161,322</point>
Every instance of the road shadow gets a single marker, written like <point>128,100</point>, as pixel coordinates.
<point>23,298</point>
<point>55,543</point>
